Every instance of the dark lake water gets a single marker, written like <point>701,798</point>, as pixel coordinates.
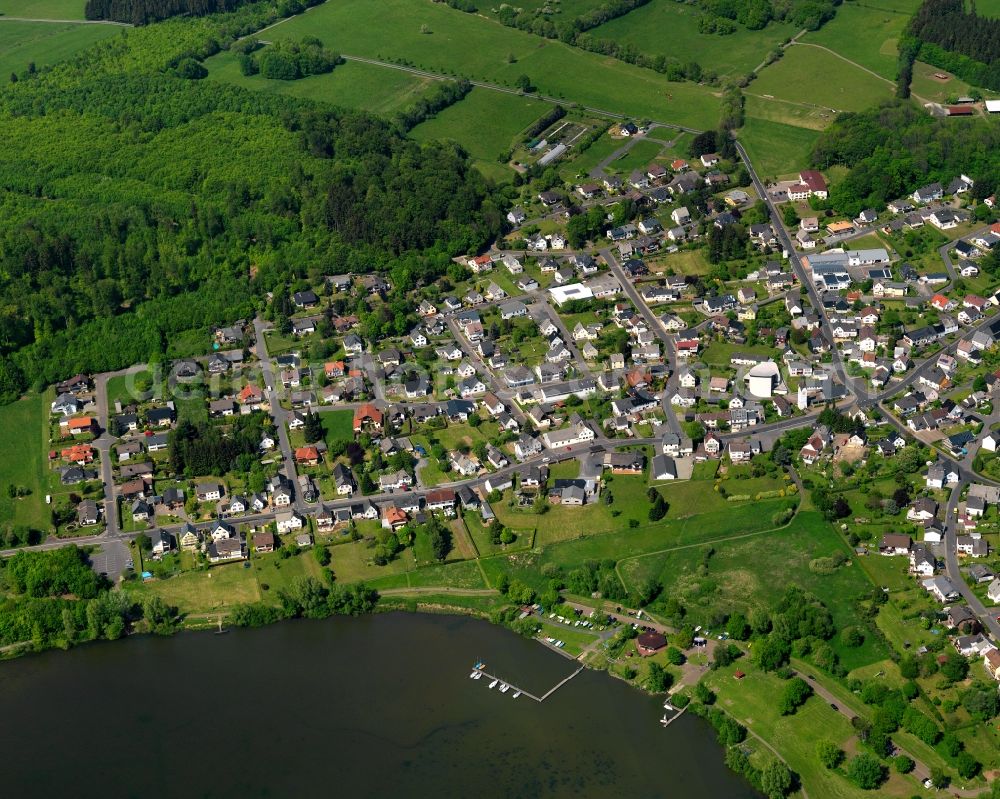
<point>378,706</point>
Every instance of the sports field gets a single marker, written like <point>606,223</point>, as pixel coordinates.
<point>818,78</point>
<point>379,90</point>
<point>437,38</point>
<point>666,27</point>
<point>485,122</point>
<point>44,43</point>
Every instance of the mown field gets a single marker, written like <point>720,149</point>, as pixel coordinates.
<point>485,123</point>
<point>44,43</point>
<point>352,85</point>
<point>670,28</point>
<point>437,38</point>
<point>867,33</point>
<point>815,77</point>
<point>43,9</point>
<point>22,442</point>
<point>775,148</point>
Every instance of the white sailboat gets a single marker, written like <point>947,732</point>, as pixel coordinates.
<point>494,683</point>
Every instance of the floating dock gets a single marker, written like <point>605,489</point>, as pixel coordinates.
<point>518,691</point>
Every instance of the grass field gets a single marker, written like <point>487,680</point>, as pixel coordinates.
<point>775,148</point>
<point>925,85</point>
<point>478,48</point>
<point>590,158</point>
<point>670,28</point>
<point>485,123</point>
<point>867,33</point>
<point>751,701</point>
<point>685,262</point>
<point>42,9</point>
<point>639,156</point>
<point>379,90</point>
<point>44,43</point>
<point>205,591</point>
<point>23,439</point>
<point>817,77</point>
<point>738,575</point>
<point>338,425</point>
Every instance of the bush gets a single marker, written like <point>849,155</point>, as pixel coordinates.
<point>902,764</point>
<point>866,771</point>
<point>829,754</point>
<point>796,692</point>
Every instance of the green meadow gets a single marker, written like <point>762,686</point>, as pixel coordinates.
<point>44,43</point>
<point>485,123</point>
<point>352,85</point>
<point>436,38</point>
<point>666,27</point>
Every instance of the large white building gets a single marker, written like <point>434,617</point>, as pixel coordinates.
<point>571,291</point>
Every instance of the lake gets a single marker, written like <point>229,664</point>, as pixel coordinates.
<point>362,707</point>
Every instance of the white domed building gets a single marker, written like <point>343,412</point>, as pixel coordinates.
<point>762,379</point>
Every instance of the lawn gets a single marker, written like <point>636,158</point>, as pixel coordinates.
<point>277,573</point>
<point>478,48</point>
<point>718,353</point>
<point>43,9</point>
<point>204,591</point>
<point>123,389</point>
<point>591,157</point>
<point>751,701</point>
<point>351,563</point>
<point>44,43</point>
<point>776,148</point>
<point>685,262</point>
<point>666,27</point>
<point>483,540</point>
<point>24,435</point>
<point>867,34</point>
<point>639,156</point>
<point>485,123</point>
<point>338,425</point>
<point>812,76</point>
<point>379,90</point>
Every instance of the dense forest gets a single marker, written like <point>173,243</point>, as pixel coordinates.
<point>959,40</point>
<point>139,205</point>
<point>142,12</point>
<point>896,147</point>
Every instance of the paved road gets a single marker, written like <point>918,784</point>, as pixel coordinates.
<point>279,414</point>
<point>855,385</point>
<point>670,351</point>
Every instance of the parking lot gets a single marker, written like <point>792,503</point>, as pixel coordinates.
<point>112,559</point>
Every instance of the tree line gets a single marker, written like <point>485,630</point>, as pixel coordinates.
<point>57,599</point>
<point>958,40</point>
<point>143,12</point>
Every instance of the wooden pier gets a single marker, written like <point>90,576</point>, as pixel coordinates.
<point>676,716</point>
<point>528,694</point>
